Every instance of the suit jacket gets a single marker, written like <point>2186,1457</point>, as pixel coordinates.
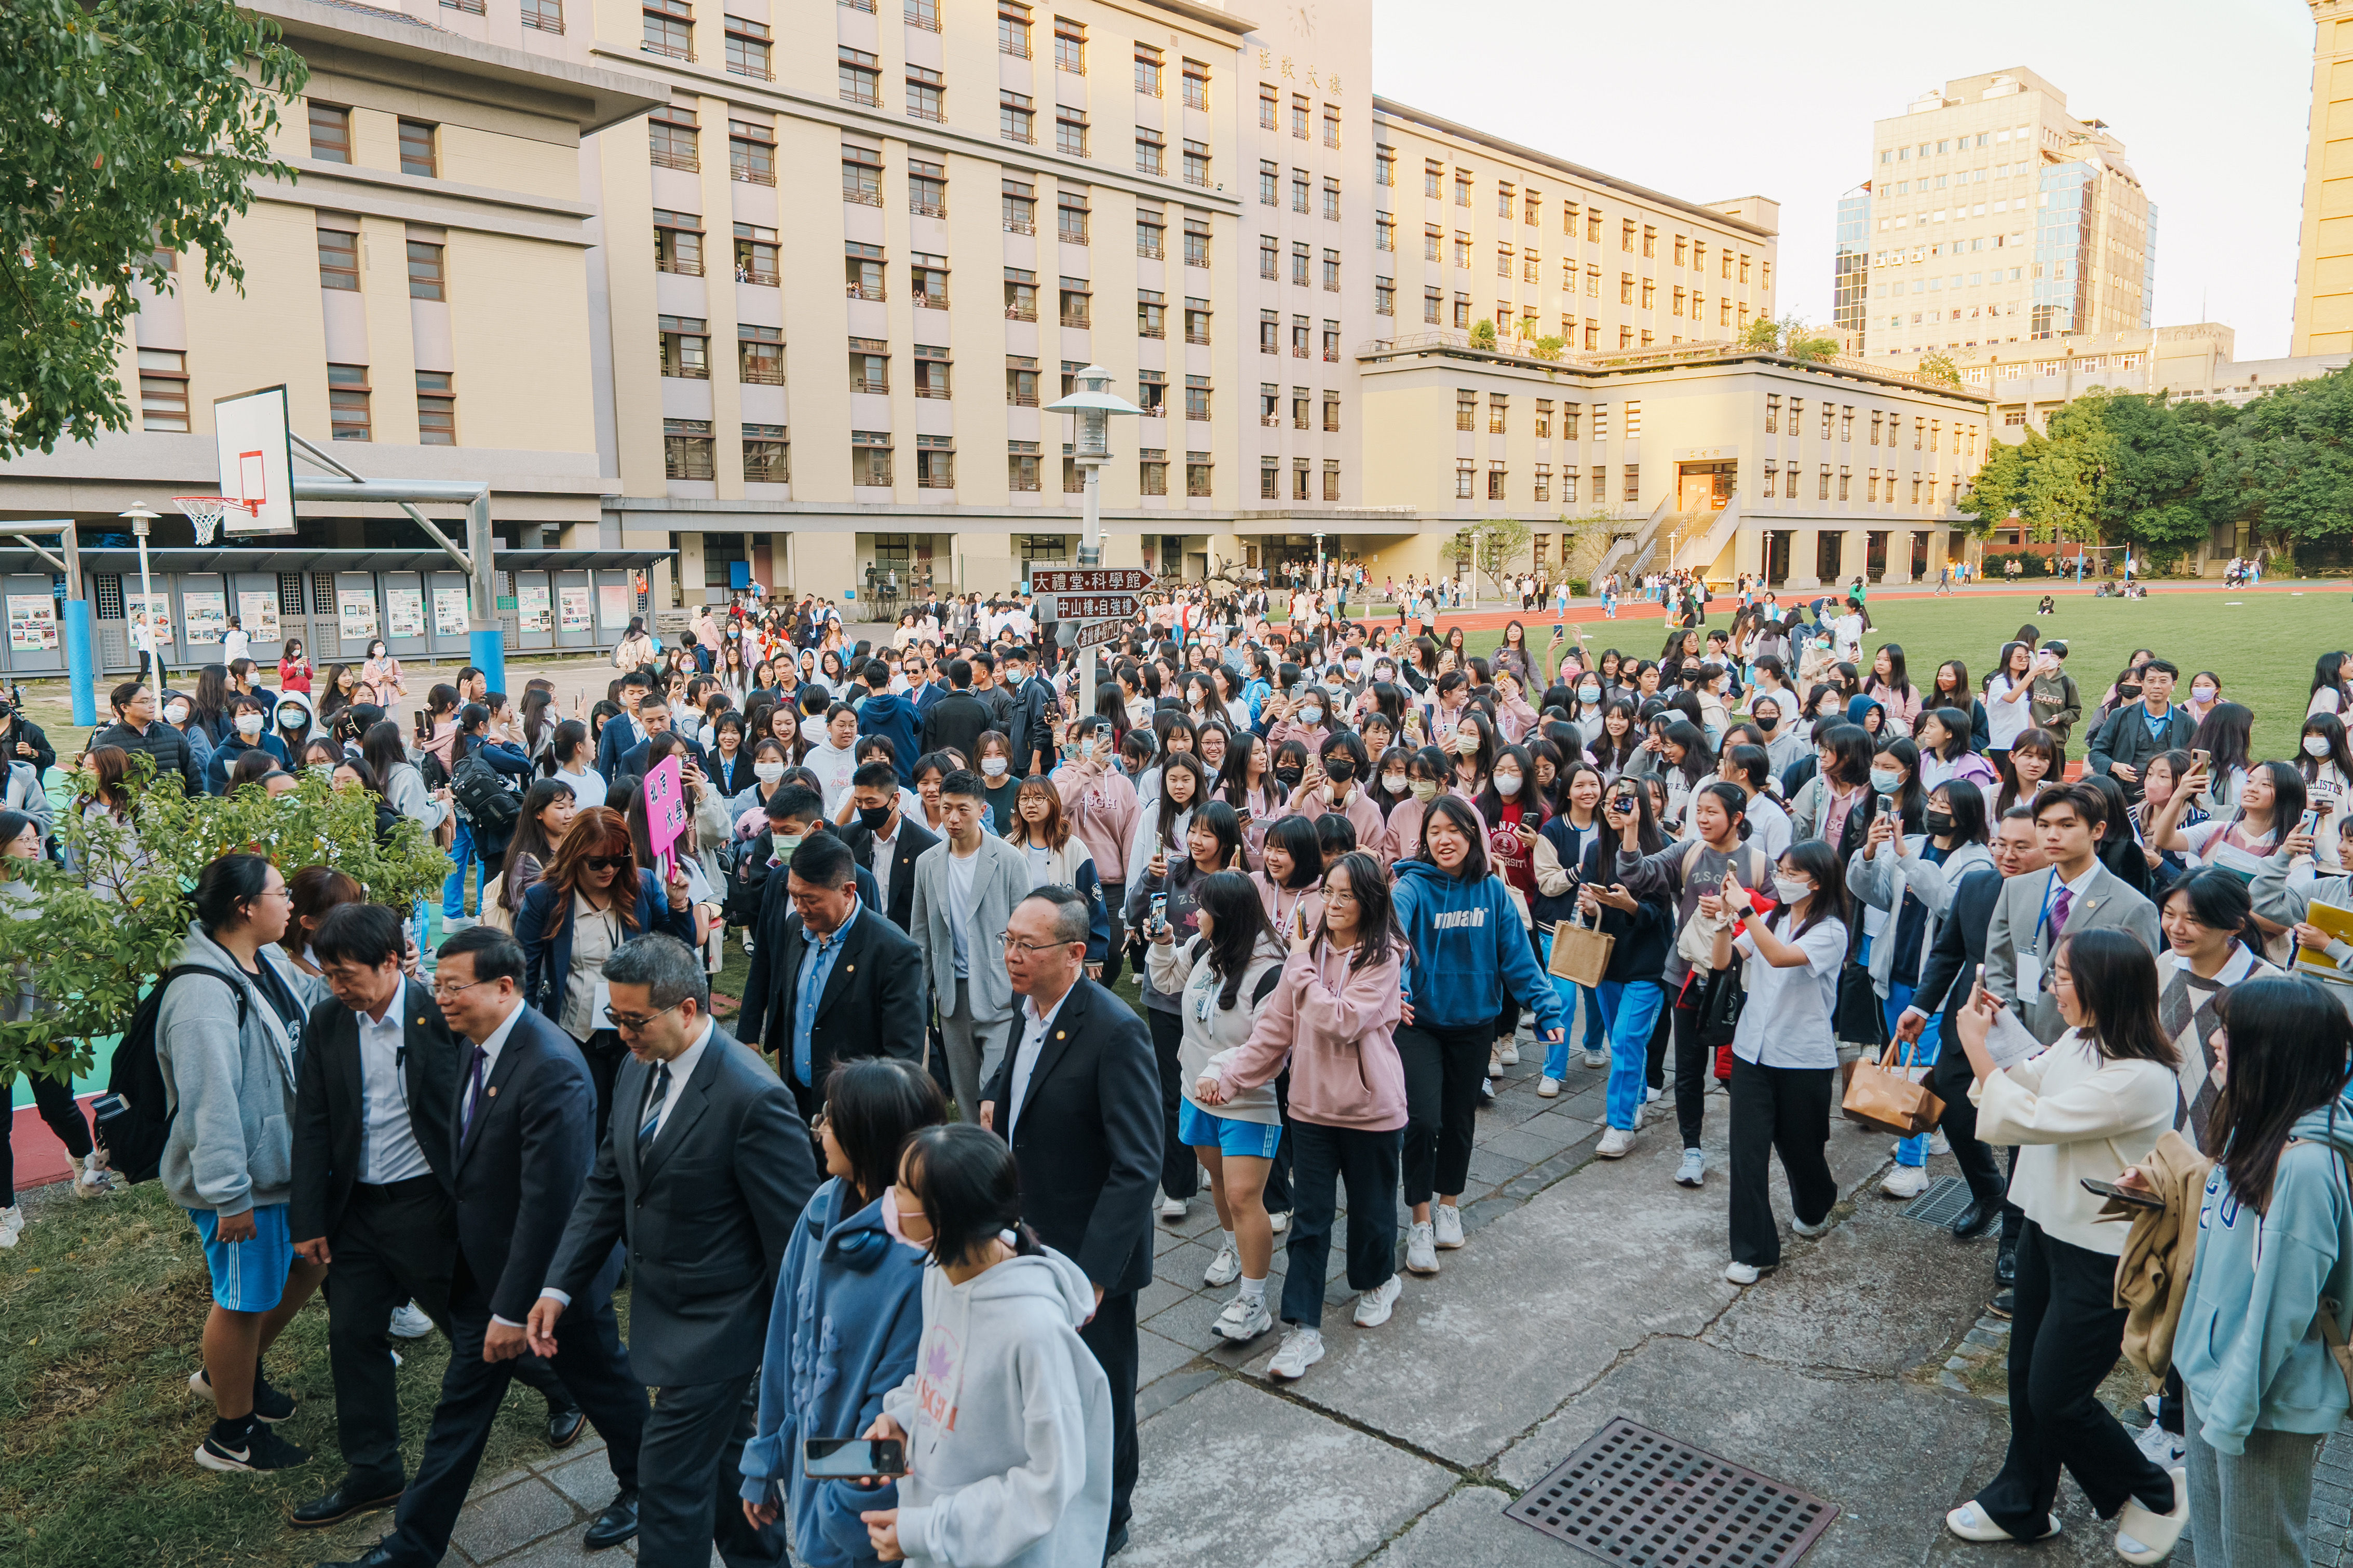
<point>1950,967</point>
<point>327,1104</point>
<point>2124,738</point>
<point>909,845</point>
<point>547,956</point>
<point>706,1216</point>
<point>2017,925</point>
<point>957,720</point>
<point>620,738</point>
<point>1087,1137</point>
<point>633,762</point>
<point>1000,881</point>
<point>519,1169</point>
<point>872,1004</point>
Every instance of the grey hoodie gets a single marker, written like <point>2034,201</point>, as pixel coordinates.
<point>229,1090</point>
<point>1008,1418</point>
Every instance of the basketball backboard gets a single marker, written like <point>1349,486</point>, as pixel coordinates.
<point>257,460</point>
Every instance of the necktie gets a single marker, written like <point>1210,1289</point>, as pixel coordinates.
<point>2059,908</point>
<point>654,1098</point>
<point>474,1094</point>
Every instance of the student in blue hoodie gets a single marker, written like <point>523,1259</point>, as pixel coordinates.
<point>2275,1236</point>
<point>848,1313</point>
<point>892,717</point>
<point>1461,925</point>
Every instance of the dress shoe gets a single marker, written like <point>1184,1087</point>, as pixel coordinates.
<point>377,1556</point>
<point>618,1523</point>
<point>2005,1269</point>
<point>1116,1544</point>
<point>564,1427</point>
<point>1977,1220</point>
<point>346,1501</point>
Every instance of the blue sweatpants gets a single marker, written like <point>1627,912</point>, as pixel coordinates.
<point>1913,1150</point>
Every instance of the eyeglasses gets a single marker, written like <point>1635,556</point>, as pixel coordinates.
<point>633,1023</point>
<point>1010,941</point>
<point>605,862</point>
<point>443,991</point>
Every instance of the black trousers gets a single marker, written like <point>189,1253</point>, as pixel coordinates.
<point>689,1479</point>
<point>471,1390</point>
<point>394,1244</point>
<point>1114,897</point>
<point>1950,1081</point>
<point>1784,1112</point>
<point>1443,1071</point>
<point>1111,1335</point>
<point>1277,1192</point>
<point>2065,1336</point>
<point>603,1051</point>
<point>1662,1040</point>
<point>1694,1064</point>
<point>58,1106</point>
<point>1326,1158</point>
<point>1180,1171</point>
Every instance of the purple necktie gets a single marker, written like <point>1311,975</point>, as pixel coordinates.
<point>2059,908</point>
<point>474,1098</point>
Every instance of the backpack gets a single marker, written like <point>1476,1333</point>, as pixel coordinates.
<point>132,1128</point>
<point>481,794</point>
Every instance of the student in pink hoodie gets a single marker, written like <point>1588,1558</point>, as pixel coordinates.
<point>1333,1017</point>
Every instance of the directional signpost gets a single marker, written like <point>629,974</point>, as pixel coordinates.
<point>1083,607</point>
<point>1091,580</point>
<point>1097,633</point>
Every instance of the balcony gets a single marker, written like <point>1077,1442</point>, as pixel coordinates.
<point>1077,323</point>
<point>1269,348</point>
<point>1196,259</point>
<point>671,51</point>
<point>1150,252</point>
<point>861,195</point>
<point>687,372</point>
<point>757,73</point>
<point>1030,484</point>
<point>935,481</point>
<point>745,173</point>
<point>1072,235</point>
<point>1150,332</point>
<point>1023,400</point>
<point>746,275</point>
<point>940,392</point>
<point>1197,177</point>
<point>862,383</point>
<point>926,300</point>
<point>1019,226</point>
<point>1272,421</point>
<point>1268,276</point>
<point>1200,338</point>
<point>1021,312</point>
<point>929,23</point>
<point>684,268</point>
<point>1154,169</point>
<point>865,97</point>
<point>867,291</point>
<point>1073,485</point>
<point>686,162</point>
<point>1299,350</point>
<point>918,111</point>
<point>761,375</point>
<point>1200,413</point>
<point>1195,98</point>
<point>1330,356</point>
<point>928,209</point>
<point>1027,139</point>
<point>1298,423</point>
<point>1332,286</point>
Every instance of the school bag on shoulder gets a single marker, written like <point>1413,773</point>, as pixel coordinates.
<point>131,1121</point>
<point>481,794</point>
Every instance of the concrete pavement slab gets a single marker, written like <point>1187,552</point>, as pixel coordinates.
<point>492,1526</point>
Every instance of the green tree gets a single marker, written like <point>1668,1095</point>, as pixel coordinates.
<point>138,128</point>
<point>1764,333</point>
<point>2284,466</point>
<point>1790,336</point>
<point>1483,333</point>
<point>1493,547</point>
<point>1938,366</point>
<point>2152,493</point>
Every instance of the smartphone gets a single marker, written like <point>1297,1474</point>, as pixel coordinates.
<point>2308,823</point>
<point>1159,919</point>
<point>1622,805</point>
<point>424,725</point>
<point>1243,816</point>
<point>2200,758</point>
<point>849,1458</point>
<point>2126,1196</point>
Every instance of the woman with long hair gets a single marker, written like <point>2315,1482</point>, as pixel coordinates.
<point>1675,751</point>
<point>2331,685</point>
<point>2212,943</point>
<point>1631,998</point>
<point>1427,771</point>
<point>1058,856</point>
<point>1166,894</point>
<point>548,808</point>
<point>339,685</point>
<point>2035,762</point>
<point>2089,1108</point>
<point>2008,706</point>
<point>2227,737</point>
<point>1616,739</point>
<point>1948,752</point>
<point>1470,736</point>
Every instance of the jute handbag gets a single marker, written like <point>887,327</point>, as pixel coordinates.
<point>1880,1095</point>
<point>1579,953</point>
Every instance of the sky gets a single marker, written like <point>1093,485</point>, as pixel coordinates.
<point>1707,101</point>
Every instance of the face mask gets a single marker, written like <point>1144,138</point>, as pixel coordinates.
<point>2315,745</point>
<point>1507,784</point>
<point>1340,770</point>
<point>248,724</point>
<point>1289,775</point>
<point>1937,821</point>
<point>2127,693</point>
<point>1354,664</point>
<point>1887,781</point>
<point>1311,714</point>
<point>1789,890</point>
<point>1383,672</point>
<point>785,843</point>
<point>767,772</point>
<point>992,767</point>
<point>1466,743</point>
<point>875,818</point>
<point>1086,750</point>
<point>2202,694</point>
<point>1589,694</point>
<point>1768,722</point>
<point>813,729</point>
<point>177,712</point>
<point>290,718</point>
<point>1394,783</point>
<point>1425,791</point>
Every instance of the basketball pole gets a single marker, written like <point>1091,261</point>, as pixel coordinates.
<point>483,630</point>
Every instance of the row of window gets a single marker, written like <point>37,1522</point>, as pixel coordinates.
<point>1528,326</point>
<point>1269,480</point>
<point>679,248</point>
<point>330,139</point>
<point>1925,432</point>
<point>1786,485</point>
<point>1270,181</point>
<point>163,399</point>
<point>1270,336</point>
<point>1632,233</point>
<point>1466,480</point>
<point>1302,256</point>
<point>1270,407</point>
<point>339,261</point>
<point>672,131</point>
<point>1572,416</point>
<point>1269,107</point>
<point>689,452</point>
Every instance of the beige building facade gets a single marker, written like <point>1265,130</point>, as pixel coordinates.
<point>2324,266</point>
<point>2189,364</point>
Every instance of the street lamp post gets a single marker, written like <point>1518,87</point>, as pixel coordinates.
<point>140,518</point>
<point>1091,409</point>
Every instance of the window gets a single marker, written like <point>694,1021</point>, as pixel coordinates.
<point>751,153</point>
<point>1299,116</point>
<point>1544,418</point>
<point>1267,105</point>
<point>1196,240</point>
<point>1846,484</point>
<point>1013,29</point>
<point>671,132</point>
<point>1197,163</point>
<point>870,457</point>
<point>1069,45</point>
<point>1385,167</point>
<point>1462,312</point>
<point>1269,480</point>
<point>1432,305</point>
<point>1270,332</point>
<point>1466,409</point>
<point>1462,249</point>
<point>1506,193</point>
<point>1593,225</point>
<point>1384,296</point>
<point>1875,429</point>
<point>1625,288</point>
<point>1020,382</point>
<point>1070,217</point>
<point>1269,179</point>
<point>687,450</point>
<point>1196,96</point>
<point>1499,408</point>
<point>923,13</point>
<point>1197,321</point>
<point>1299,190</point>
<point>1465,475</point>
<point>927,189</point>
<point>417,154</point>
<point>1151,234</point>
<point>926,94</point>
<point>1773,474</point>
<point>1530,216</point>
<point>929,274</point>
<point>1020,295</point>
<point>546,15</point>
<point>862,177</point>
<point>1331,198</point>
<point>858,74</point>
<point>437,409</point>
<point>1433,179</point>
<point>1150,152</point>
<point>862,269</point>
<point>330,133</point>
<point>1462,187</point>
<point>1070,131</point>
<point>1568,484</point>
<point>1871,486</point>
<point>1331,125</point>
<point>1332,271</point>
<point>1634,491</point>
<point>1299,337</point>
<point>668,29</point>
<point>1331,479</point>
<point>1076,303</point>
<point>678,243</point>
<point>1592,284</point>
<point>339,259</point>
<point>163,392</point>
<point>1269,265</point>
<point>1543,493</point>
<point>1384,232</point>
<point>1331,411</point>
<point>347,401</point>
<point>1298,479</point>
<point>424,276</point>
<point>1148,70</point>
<point>1846,423</point>
<point>1601,422</point>
<point>1016,117</point>
<point>1197,398</point>
<point>935,462</point>
<point>748,46</point>
<point>1772,414</point>
<point>1152,392</point>
<point>685,347</point>
<point>1196,473</point>
<point>760,355</point>
<point>1823,492</point>
<point>1916,489</point>
<point>1532,267</point>
<point>1797,416</point>
<point>1021,466</point>
<point>1299,416</point>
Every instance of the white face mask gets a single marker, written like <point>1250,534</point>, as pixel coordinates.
<point>1355,665</point>
<point>177,712</point>
<point>1887,781</point>
<point>1466,742</point>
<point>1589,694</point>
<point>2202,694</point>
<point>1311,714</point>
<point>1789,891</point>
<point>767,772</point>
<point>1394,783</point>
<point>291,718</point>
<point>992,767</point>
<point>813,729</point>
<point>2315,745</point>
<point>248,724</point>
<point>1507,784</point>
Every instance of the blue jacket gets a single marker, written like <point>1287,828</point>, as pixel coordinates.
<point>1470,934</point>
<point>547,958</point>
<point>842,1333</point>
<point>899,721</point>
<point>2248,1346</point>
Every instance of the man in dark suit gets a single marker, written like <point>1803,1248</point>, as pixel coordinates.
<point>623,733</point>
<point>836,980</point>
<point>653,716</point>
<point>525,1125</point>
<point>956,722</point>
<point>795,813</point>
<point>884,841</point>
<point>371,1165</point>
<point>1079,1095</point>
<point>1033,697</point>
<point>702,1177</point>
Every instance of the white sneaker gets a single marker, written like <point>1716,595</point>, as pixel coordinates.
<point>747,942</point>
<point>1280,1220</point>
<point>1373,1306</point>
<point>1904,1181</point>
<point>1693,1171</point>
<point>1494,1063</point>
<point>1223,1269</point>
<point>452,924</point>
<point>1448,1220</point>
<point>1243,1320</point>
<point>1938,1143</point>
<point>1616,1143</point>
<point>1420,1249</point>
<point>12,1223</point>
<point>410,1321</point>
<point>2163,1449</point>
<point>1597,1058</point>
<point>1651,1095</point>
<point>1171,1209</point>
<point>1300,1349</point>
<point>1510,1052</point>
<point>1810,1231</point>
<point>1742,1273</point>
<point>1548,1087</point>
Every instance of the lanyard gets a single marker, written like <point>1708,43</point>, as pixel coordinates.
<point>2049,890</point>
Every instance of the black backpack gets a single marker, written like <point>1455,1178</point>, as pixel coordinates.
<point>131,1123</point>
<point>483,797</point>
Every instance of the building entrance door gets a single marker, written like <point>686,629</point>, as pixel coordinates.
<point>1704,487</point>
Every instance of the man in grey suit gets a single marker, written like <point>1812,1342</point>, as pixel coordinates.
<point>2076,894</point>
<point>702,1175</point>
<point>964,892</point>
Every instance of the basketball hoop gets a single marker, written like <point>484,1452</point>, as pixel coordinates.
<point>207,512</point>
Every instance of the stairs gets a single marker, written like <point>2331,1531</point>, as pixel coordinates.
<point>1629,555</point>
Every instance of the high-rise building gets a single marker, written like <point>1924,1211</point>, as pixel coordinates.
<point>1992,216</point>
<point>2324,262</point>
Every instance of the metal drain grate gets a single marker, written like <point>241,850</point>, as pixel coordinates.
<point>1941,1204</point>
<point>1634,1496</point>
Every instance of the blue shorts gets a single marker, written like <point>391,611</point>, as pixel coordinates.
<point>248,1275</point>
<point>1229,1135</point>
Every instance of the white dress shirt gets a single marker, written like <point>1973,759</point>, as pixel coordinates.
<point>388,1149</point>
<point>886,850</point>
<point>491,1050</point>
<point>1025,1060</point>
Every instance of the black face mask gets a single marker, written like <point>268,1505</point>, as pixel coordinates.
<point>1937,821</point>
<point>2127,693</point>
<point>875,818</point>
<point>1289,775</point>
<point>1768,722</point>
<point>1340,770</point>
